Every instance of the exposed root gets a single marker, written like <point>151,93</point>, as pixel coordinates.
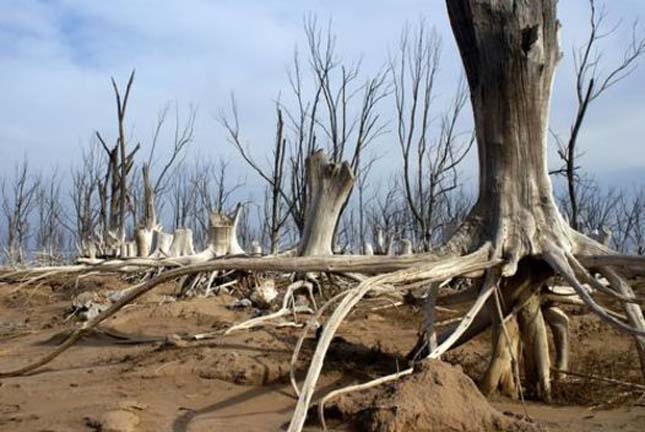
<point>559,324</point>
<point>310,325</point>
<point>558,261</point>
<point>634,312</point>
<point>595,283</point>
<point>433,272</point>
<point>500,373</point>
<point>340,264</point>
<point>255,322</point>
<point>492,278</point>
<point>537,363</point>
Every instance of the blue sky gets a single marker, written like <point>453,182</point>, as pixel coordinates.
<point>56,58</point>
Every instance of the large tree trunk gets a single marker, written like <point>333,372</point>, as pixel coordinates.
<point>329,187</point>
<point>510,51</point>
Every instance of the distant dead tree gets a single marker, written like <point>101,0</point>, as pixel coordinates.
<point>152,187</point>
<point>339,116</point>
<point>274,176</point>
<point>50,236</point>
<point>119,166</point>
<point>591,83</point>
<point>183,198</point>
<point>86,199</point>
<point>387,218</point>
<point>19,198</point>
<point>214,191</point>
<point>430,162</point>
<point>630,223</point>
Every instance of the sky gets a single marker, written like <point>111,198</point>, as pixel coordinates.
<point>57,57</point>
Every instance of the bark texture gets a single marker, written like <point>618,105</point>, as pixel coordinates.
<point>329,186</point>
<point>510,50</point>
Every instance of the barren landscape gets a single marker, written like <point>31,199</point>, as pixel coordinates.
<point>338,269</point>
<point>135,367</point>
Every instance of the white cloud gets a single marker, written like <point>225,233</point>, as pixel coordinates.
<point>56,59</point>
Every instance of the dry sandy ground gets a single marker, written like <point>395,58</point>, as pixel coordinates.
<point>240,383</point>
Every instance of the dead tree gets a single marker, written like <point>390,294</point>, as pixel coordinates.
<point>514,238</point>
<point>336,112</point>
<point>387,217</point>
<point>85,195</point>
<point>120,162</point>
<point>630,223</point>
<point>591,83</point>
<point>153,187</point>
<point>19,199</point>
<point>49,232</point>
<point>214,192</point>
<point>274,176</point>
<point>430,160</point>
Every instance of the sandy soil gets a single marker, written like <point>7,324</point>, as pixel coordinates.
<point>240,382</point>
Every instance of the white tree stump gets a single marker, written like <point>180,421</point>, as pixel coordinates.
<point>329,186</point>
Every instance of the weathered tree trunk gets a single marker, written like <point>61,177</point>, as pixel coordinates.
<point>144,239</point>
<point>223,234</point>
<point>161,242</point>
<point>182,243</point>
<point>144,234</point>
<point>329,187</point>
<point>510,51</point>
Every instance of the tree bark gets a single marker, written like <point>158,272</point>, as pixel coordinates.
<point>329,187</point>
<point>182,243</point>
<point>510,51</point>
<point>223,234</point>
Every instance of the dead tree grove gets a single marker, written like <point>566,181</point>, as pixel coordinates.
<point>512,242</point>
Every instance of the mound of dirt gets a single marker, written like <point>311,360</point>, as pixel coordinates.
<point>437,397</point>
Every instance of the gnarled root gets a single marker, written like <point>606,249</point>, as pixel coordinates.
<point>500,374</point>
<point>537,365</point>
<point>433,272</point>
<point>558,322</point>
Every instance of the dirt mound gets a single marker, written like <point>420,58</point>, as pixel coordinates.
<point>437,397</point>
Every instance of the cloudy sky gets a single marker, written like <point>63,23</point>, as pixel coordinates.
<point>56,58</point>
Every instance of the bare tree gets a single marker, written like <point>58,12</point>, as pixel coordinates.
<point>591,83</point>
<point>182,136</point>
<point>630,223</point>
<point>429,162</point>
<point>19,198</point>
<point>214,191</point>
<point>86,218</point>
<point>118,168</point>
<point>340,116</point>
<point>50,236</point>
